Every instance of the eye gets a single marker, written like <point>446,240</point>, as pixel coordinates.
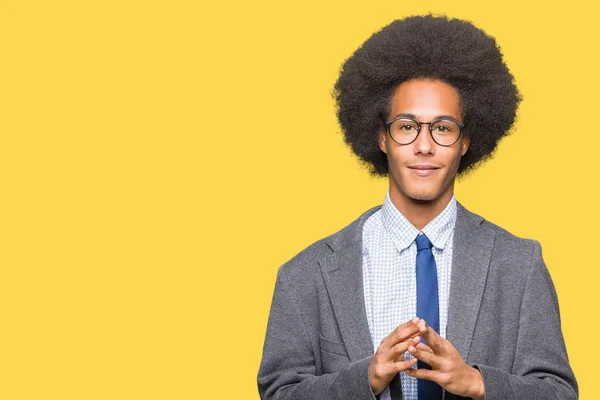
<point>406,127</point>
<point>445,127</point>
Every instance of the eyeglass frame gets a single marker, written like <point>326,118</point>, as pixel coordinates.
<point>388,124</point>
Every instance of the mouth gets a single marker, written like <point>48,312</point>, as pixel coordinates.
<point>423,169</point>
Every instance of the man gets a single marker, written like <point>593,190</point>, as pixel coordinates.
<point>419,298</point>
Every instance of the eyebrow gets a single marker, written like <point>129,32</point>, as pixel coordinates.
<point>413,116</point>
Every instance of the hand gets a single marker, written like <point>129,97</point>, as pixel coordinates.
<point>448,369</point>
<point>389,357</point>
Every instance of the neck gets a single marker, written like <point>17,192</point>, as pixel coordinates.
<point>420,212</point>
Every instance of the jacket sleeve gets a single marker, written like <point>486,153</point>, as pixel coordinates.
<point>288,367</point>
<point>541,368</point>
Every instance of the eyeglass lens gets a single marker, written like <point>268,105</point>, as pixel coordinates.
<point>405,131</point>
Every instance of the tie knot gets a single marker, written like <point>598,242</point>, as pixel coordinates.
<point>423,242</point>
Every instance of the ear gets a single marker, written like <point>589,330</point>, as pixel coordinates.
<point>465,144</point>
<point>382,140</point>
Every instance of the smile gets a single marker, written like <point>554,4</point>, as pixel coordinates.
<point>423,170</point>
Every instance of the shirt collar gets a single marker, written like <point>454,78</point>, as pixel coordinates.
<point>403,233</point>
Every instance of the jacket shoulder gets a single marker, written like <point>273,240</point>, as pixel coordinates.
<point>505,242</point>
<point>308,258</point>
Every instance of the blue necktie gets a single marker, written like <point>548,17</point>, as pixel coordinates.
<point>427,307</point>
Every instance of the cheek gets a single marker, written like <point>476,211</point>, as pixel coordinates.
<point>396,161</point>
<point>397,155</point>
<point>454,161</point>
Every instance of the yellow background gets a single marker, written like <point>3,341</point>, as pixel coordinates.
<point>161,159</point>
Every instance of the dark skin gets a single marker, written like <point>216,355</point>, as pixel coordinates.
<point>420,197</point>
<point>388,359</point>
<point>421,184</point>
<point>448,368</point>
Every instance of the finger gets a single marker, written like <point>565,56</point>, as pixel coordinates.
<point>420,345</point>
<point>420,373</point>
<point>425,356</point>
<point>432,338</point>
<point>401,333</point>
<point>404,365</point>
<point>424,347</point>
<point>399,349</point>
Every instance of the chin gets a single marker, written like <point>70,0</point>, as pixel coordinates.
<point>423,196</point>
<point>423,193</point>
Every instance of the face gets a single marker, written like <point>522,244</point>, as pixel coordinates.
<point>423,171</point>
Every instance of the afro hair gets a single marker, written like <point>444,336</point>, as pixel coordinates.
<point>429,47</point>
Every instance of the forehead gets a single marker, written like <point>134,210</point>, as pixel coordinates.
<point>425,98</point>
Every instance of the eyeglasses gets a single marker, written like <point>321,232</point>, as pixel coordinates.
<point>444,132</point>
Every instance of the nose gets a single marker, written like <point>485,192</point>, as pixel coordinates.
<point>424,143</point>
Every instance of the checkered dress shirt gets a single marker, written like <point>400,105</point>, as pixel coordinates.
<point>389,254</point>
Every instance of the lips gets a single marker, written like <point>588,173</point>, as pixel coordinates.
<point>423,169</point>
<point>423,166</point>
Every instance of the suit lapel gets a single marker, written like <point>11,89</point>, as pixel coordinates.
<point>471,255</point>
<point>342,273</point>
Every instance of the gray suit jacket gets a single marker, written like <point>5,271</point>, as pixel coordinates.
<point>503,317</point>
